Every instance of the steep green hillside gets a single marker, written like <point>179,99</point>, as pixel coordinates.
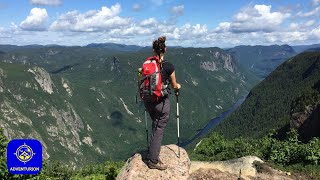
<point>80,101</point>
<point>262,60</point>
<point>292,88</point>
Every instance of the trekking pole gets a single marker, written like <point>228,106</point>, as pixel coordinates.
<point>178,128</point>
<point>145,118</point>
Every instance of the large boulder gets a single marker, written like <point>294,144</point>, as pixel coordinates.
<point>175,157</point>
<point>241,166</point>
<point>244,168</point>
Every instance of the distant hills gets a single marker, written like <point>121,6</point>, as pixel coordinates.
<point>301,48</point>
<point>262,59</point>
<point>115,47</point>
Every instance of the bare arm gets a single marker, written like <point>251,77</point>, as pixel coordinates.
<point>174,83</point>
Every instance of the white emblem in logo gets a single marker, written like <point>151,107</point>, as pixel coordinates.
<point>24,153</point>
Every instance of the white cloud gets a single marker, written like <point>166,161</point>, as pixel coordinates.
<point>314,12</point>
<point>316,32</point>
<point>302,26</point>
<point>257,18</point>
<point>258,24</point>
<point>130,32</point>
<point>137,7</point>
<point>94,20</point>
<point>188,32</point>
<point>149,22</point>
<point>310,23</point>
<point>36,21</point>
<point>4,34</point>
<point>46,2</point>
<point>177,10</point>
<point>223,27</point>
<point>315,2</point>
<point>294,26</point>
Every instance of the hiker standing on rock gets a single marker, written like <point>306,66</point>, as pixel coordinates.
<point>158,106</point>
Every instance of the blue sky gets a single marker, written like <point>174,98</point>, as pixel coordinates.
<point>198,23</point>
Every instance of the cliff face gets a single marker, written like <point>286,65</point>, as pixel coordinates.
<point>33,107</point>
<point>218,61</point>
<point>43,78</point>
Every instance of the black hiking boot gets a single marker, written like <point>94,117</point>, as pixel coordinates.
<point>159,165</point>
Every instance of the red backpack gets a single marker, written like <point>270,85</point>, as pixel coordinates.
<point>150,85</point>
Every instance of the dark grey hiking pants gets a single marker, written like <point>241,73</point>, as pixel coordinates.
<point>159,113</point>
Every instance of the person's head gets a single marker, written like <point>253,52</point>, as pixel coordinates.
<point>159,46</point>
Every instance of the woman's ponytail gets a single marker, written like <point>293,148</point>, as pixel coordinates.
<point>160,45</point>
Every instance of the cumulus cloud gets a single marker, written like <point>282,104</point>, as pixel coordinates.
<point>149,22</point>
<point>94,20</point>
<point>131,32</point>
<point>46,2</point>
<point>257,18</point>
<point>223,27</point>
<point>36,21</point>
<point>177,10</point>
<point>258,24</point>
<point>188,31</point>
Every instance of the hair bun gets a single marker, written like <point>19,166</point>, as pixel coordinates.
<point>162,39</point>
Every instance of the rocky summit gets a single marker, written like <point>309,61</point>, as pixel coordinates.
<point>175,157</point>
<point>181,168</point>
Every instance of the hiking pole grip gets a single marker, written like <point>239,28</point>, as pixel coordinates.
<point>176,92</point>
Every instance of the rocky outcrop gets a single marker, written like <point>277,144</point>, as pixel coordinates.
<point>66,86</point>
<point>67,128</point>
<point>218,61</point>
<point>228,63</point>
<point>244,168</point>
<point>241,167</point>
<point>180,168</point>
<point>209,66</point>
<point>176,158</point>
<point>43,78</point>
<point>227,59</point>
